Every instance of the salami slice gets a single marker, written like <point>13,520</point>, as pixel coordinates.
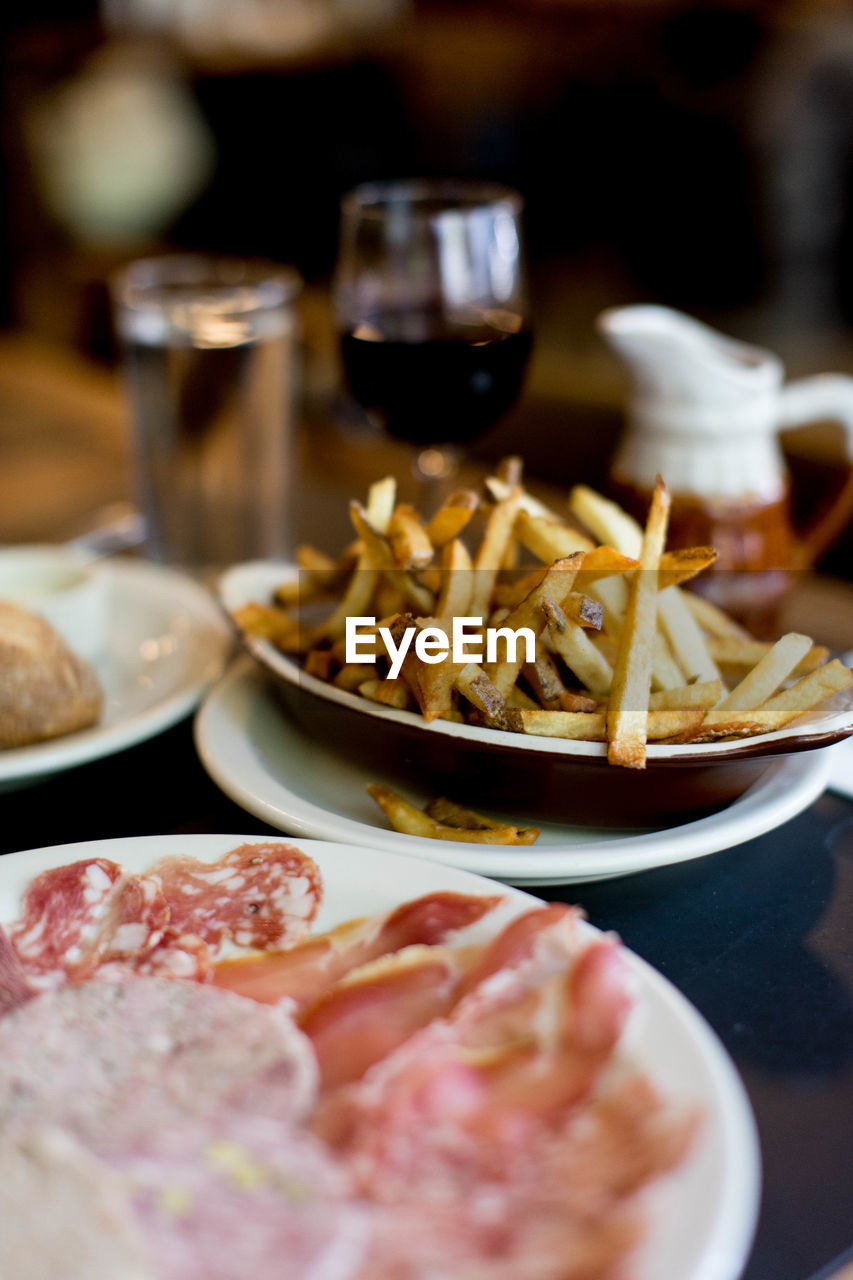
<point>176,955</point>
<point>133,924</point>
<point>111,1060</point>
<point>61,913</point>
<point>79,916</point>
<point>259,895</point>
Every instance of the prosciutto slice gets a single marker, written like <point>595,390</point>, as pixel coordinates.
<point>310,967</point>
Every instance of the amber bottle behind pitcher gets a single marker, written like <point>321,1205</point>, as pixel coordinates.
<point>705,414</point>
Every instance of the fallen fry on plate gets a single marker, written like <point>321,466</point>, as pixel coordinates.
<point>561,635</point>
<point>406,818</point>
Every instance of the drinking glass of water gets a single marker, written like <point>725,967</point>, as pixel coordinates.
<point>432,310</point>
<point>209,360</point>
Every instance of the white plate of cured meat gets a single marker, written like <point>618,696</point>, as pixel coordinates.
<point>442,1158</point>
<point>165,643</point>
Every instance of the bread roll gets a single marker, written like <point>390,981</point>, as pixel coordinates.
<point>46,691</point>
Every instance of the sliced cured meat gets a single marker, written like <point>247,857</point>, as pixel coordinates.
<point>241,1196</point>
<point>306,969</point>
<point>133,923</point>
<point>371,1011</point>
<point>563,1207</point>
<point>108,1060</point>
<point>259,895</point>
<point>493,1070</point>
<point>87,913</point>
<point>517,1159</point>
<point>14,987</point>
<point>64,1215</point>
<point>176,955</point>
<point>541,940</point>
<point>61,913</point>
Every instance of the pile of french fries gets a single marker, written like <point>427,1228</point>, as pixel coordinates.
<point>623,654</point>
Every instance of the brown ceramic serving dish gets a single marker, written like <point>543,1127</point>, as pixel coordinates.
<point>563,780</point>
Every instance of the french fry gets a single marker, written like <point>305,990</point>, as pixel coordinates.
<point>499,490</point>
<point>381,497</point>
<point>605,520</point>
<point>520,701</point>
<point>409,541</point>
<point>627,710</point>
<point>578,652</point>
<point>355,602</point>
<point>611,524</point>
<point>556,586</point>
<point>713,620</point>
<point>457,815</point>
<point>350,676</point>
<point>549,539</point>
<point>454,596</point>
<point>491,551</point>
<point>268,622</point>
<point>406,818</point>
<point>473,683</point>
<point>784,707</point>
<point>380,507</point>
<point>604,562</point>
<point>452,517</point>
<point>765,677</point>
<point>544,679</point>
<point>570,701</point>
<point>378,550</point>
<point>682,565</point>
<point>390,693</point>
<point>432,683</point>
<point>319,577</point>
<point>591,726</point>
<point>320,663</point>
<point>685,636</point>
<point>583,610</point>
<point>314,561</point>
<point>746,653</point>
<point>704,693</point>
<point>613,594</point>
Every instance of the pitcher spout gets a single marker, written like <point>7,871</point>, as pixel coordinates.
<point>684,370</point>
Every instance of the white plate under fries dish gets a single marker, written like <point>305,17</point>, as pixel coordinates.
<point>165,643</point>
<point>260,756</point>
<point>703,1215</point>
<point>565,780</point>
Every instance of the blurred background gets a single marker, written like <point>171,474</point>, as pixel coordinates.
<point>695,154</point>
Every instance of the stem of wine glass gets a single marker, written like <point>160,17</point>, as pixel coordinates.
<point>435,469</point>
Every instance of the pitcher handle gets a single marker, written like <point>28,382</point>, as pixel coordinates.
<point>826,397</point>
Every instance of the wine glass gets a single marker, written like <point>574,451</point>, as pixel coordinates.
<point>432,311</point>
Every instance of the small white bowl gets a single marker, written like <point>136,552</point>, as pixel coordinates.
<point>64,587</point>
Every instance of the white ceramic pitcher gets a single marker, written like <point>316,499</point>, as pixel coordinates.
<point>705,413</point>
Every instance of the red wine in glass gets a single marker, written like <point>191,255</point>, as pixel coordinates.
<point>430,294</point>
<point>449,386</point>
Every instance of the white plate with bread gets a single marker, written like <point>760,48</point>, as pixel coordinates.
<point>162,642</point>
